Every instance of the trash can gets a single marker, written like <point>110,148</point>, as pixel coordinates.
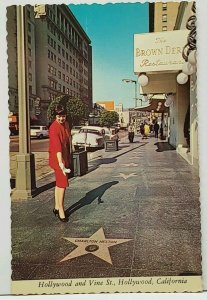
<point>80,163</point>
<point>111,145</point>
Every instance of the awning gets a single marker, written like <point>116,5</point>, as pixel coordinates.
<point>153,106</point>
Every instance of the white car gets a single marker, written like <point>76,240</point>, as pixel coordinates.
<point>75,129</point>
<point>89,136</point>
<point>39,131</point>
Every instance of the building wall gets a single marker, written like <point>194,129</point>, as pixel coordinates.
<point>119,108</point>
<point>165,15</point>
<point>63,54</point>
<point>192,154</point>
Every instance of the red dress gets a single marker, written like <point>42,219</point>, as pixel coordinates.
<point>60,136</point>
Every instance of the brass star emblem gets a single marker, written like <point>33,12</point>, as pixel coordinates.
<point>125,176</point>
<point>96,244</point>
<point>130,165</point>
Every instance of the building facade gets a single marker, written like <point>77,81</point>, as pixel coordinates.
<point>58,58</point>
<point>165,15</point>
<point>162,75</point>
<point>63,56</point>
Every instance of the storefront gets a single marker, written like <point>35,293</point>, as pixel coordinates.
<point>158,62</point>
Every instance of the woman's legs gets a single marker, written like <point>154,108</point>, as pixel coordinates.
<point>59,200</point>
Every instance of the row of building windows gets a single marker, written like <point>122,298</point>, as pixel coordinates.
<point>53,83</point>
<point>52,70</point>
<point>52,56</point>
<point>52,28</point>
<point>65,66</point>
<point>66,27</point>
<point>62,63</point>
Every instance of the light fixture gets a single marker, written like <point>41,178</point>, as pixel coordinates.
<point>192,57</point>
<point>188,69</point>
<point>182,78</point>
<point>143,80</point>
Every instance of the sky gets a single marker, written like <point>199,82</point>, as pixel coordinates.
<point>111,29</point>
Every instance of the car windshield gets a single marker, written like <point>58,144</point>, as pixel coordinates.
<point>90,131</point>
<point>34,127</point>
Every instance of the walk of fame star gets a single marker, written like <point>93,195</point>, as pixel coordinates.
<point>130,165</point>
<point>125,176</point>
<point>96,244</point>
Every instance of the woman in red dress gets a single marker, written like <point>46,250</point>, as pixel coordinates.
<point>59,158</point>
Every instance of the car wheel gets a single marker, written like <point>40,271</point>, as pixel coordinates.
<point>41,136</point>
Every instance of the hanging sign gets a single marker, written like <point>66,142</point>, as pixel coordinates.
<point>159,51</point>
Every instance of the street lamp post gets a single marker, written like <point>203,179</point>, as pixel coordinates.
<point>25,175</point>
<point>135,85</point>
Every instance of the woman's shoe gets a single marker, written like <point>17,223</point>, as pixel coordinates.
<point>55,211</point>
<point>62,219</point>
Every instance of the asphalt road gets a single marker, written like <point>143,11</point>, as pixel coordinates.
<point>41,145</point>
<point>36,144</point>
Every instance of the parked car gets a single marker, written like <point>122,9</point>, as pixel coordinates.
<point>91,136</point>
<point>75,129</point>
<point>39,131</point>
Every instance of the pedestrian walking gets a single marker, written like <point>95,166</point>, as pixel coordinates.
<point>59,158</point>
<point>156,129</point>
<point>131,131</point>
<point>146,130</point>
<point>161,132</point>
<point>142,130</point>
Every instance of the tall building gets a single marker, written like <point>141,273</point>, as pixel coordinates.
<point>63,56</point>
<point>163,16</point>
<point>58,58</point>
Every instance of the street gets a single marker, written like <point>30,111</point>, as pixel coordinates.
<point>37,145</point>
<point>144,197</point>
<point>41,145</point>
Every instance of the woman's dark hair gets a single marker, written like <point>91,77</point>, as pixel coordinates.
<point>60,110</point>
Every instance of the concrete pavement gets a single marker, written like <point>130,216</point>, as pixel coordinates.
<point>145,194</point>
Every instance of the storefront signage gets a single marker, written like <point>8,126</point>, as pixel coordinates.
<point>159,51</point>
<point>37,106</point>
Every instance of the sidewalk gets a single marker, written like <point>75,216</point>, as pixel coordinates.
<point>144,194</point>
<point>42,168</point>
